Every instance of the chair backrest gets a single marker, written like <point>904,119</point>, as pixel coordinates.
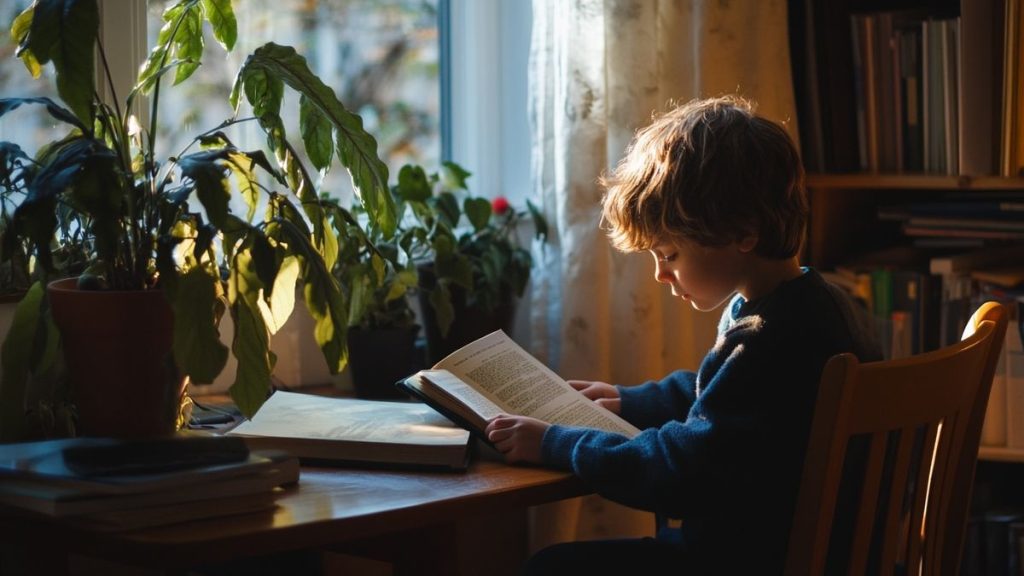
<point>921,420</point>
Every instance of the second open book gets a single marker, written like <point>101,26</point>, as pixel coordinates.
<point>493,375</point>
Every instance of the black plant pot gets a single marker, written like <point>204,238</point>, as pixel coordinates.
<point>380,357</point>
<point>469,323</point>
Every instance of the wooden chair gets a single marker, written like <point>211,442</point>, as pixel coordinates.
<point>920,418</point>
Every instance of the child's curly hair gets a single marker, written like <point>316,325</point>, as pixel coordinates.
<point>710,172</point>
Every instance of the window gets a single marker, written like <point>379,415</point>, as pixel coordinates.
<point>488,52</point>
<point>28,125</point>
<point>382,57</point>
<point>379,56</point>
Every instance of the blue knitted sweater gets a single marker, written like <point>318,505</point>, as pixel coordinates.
<point>722,448</point>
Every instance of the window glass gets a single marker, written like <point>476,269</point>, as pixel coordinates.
<point>379,56</point>
<point>29,126</point>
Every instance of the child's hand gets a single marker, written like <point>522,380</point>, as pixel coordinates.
<point>517,437</point>
<point>604,395</point>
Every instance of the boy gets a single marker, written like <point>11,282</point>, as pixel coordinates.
<point>716,195</point>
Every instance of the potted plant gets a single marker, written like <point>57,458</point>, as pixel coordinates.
<point>472,266</point>
<point>40,407</point>
<point>161,230</point>
<point>377,274</point>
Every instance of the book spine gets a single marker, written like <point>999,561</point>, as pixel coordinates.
<point>1013,351</point>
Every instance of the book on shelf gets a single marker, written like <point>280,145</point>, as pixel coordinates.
<point>73,480</point>
<point>493,375</point>
<point>899,293</point>
<point>322,428</point>
<point>921,87</point>
<point>979,113</point>
<point>965,262</point>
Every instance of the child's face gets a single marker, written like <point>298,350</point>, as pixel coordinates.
<point>703,276</point>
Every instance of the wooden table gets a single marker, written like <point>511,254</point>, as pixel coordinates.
<point>327,509</point>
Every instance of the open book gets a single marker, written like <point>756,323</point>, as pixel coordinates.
<point>349,430</point>
<point>493,375</point>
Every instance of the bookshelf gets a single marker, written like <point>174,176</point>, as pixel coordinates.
<point>994,454</point>
<point>863,71</point>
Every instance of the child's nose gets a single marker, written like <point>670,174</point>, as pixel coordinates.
<point>661,275</point>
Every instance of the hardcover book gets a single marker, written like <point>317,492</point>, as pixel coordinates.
<point>493,375</point>
<point>349,430</point>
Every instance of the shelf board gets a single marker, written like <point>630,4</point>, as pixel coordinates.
<point>1001,454</point>
<point>912,182</point>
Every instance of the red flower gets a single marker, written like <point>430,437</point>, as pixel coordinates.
<point>500,205</point>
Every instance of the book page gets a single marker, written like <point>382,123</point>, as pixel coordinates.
<point>517,383</point>
<point>450,385</point>
<point>305,416</point>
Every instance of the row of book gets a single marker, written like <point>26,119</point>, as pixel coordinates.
<point>921,300</point>
<point>976,217</point>
<point>936,89</point>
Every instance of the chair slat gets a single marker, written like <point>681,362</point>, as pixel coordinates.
<point>940,393</point>
<point>864,526</point>
<point>897,492</point>
<point>917,509</point>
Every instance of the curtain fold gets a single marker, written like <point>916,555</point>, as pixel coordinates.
<point>599,70</point>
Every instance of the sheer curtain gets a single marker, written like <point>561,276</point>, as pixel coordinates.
<point>599,69</point>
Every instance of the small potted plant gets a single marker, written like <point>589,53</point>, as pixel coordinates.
<point>161,232</point>
<point>377,275</point>
<point>472,266</point>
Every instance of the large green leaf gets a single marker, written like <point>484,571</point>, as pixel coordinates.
<point>264,261</point>
<point>17,354</point>
<point>478,211</point>
<point>279,306</point>
<point>64,32</point>
<point>356,148</point>
<point>244,282</point>
<point>413,185</point>
<point>453,176</point>
<point>316,134</point>
<point>159,55</point>
<point>222,19</point>
<point>54,109</point>
<point>210,178</point>
<point>245,178</point>
<point>324,299</point>
<point>252,348</point>
<point>43,33</point>
<point>447,208</point>
<point>197,345</point>
<point>19,31</point>
<point>188,44</point>
<point>180,40</point>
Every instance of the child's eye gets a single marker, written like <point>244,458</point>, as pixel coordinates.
<point>668,258</point>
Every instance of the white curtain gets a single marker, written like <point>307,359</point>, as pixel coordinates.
<point>599,69</point>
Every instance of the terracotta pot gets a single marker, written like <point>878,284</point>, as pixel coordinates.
<point>469,323</point>
<point>117,348</point>
<point>380,357</point>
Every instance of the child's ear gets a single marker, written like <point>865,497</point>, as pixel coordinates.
<point>747,243</point>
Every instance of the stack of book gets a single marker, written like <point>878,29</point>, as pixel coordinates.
<point>110,484</point>
<point>983,217</point>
